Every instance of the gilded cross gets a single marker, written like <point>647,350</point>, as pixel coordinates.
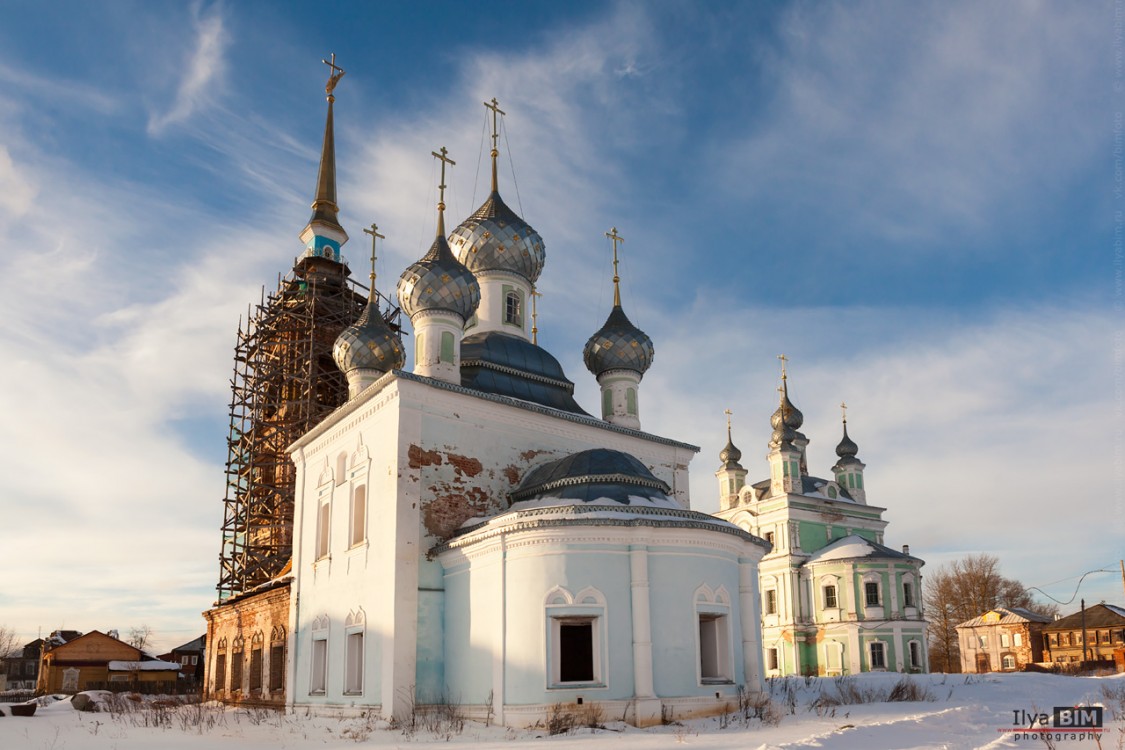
<point>844,410</point>
<point>783,359</point>
<point>374,232</point>
<point>334,77</point>
<point>444,159</point>
<point>613,235</point>
<point>728,413</point>
<point>495,107</point>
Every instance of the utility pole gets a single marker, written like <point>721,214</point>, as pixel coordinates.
<point>1084,631</point>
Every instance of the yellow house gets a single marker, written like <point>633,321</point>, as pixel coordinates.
<point>96,661</point>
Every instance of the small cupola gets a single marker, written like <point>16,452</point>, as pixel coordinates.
<point>618,355</point>
<point>849,469</point>
<point>370,347</point>
<point>731,474</point>
<point>440,295</point>
<point>786,446</point>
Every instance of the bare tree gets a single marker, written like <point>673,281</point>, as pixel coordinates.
<point>964,589</point>
<point>9,641</point>
<point>139,636</point>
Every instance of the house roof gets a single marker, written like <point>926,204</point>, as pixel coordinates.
<point>854,547</point>
<point>1097,616</point>
<point>195,644</point>
<point>1007,616</point>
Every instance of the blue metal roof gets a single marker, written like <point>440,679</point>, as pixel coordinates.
<point>507,365</point>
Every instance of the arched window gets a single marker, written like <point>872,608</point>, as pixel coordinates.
<point>359,515</point>
<point>419,350</point>
<point>513,308</point>
<point>447,347</point>
<point>575,637</point>
<point>256,661</point>
<point>631,401</point>
<point>607,403</point>
<point>355,628</point>
<point>318,674</point>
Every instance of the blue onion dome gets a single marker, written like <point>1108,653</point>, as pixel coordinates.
<point>369,343</point>
<point>495,238</point>
<point>591,475</point>
<point>730,456</point>
<point>847,449</point>
<point>438,282</point>
<point>618,345</point>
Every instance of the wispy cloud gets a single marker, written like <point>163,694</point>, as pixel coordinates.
<point>908,122</point>
<point>202,71</point>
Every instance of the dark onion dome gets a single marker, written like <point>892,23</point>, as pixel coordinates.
<point>730,456</point>
<point>438,282</point>
<point>507,365</point>
<point>592,475</point>
<point>369,343</point>
<point>847,450</point>
<point>786,411</point>
<point>618,345</point>
<point>495,238</point>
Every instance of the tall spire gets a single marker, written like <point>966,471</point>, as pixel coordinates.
<point>323,236</point>
<point>324,204</point>
<point>494,106</point>
<point>613,235</point>
<point>444,159</point>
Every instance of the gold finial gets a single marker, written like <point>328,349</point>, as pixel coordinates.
<point>613,235</point>
<point>444,159</point>
<point>728,413</point>
<point>783,359</point>
<point>333,78</point>
<point>844,410</point>
<point>495,107</point>
<point>535,316</point>
<point>374,232</point>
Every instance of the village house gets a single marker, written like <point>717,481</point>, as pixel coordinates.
<point>1104,626</point>
<point>1001,640</point>
<point>97,661</point>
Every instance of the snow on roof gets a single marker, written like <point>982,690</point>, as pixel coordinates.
<point>143,666</point>
<point>1008,616</point>
<point>851,547</point>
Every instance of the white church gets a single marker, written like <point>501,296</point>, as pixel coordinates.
<point>465,532</point>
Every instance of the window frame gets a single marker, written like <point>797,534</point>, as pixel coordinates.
<point>560,608</point>
<point>355,655</point>
<point>318,664</point>
<point>872,585</point>
<point>357,528</point>
<point>881,648</point>
<point>832,602</point>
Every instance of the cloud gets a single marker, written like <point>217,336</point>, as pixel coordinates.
<point>908,123</point>
<point>987,436</point>
<point>202,72</point>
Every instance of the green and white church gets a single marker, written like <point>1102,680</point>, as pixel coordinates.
<point>835,600</point>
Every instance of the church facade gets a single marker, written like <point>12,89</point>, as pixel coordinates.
<point>465,532</point>
<point>835,600</point>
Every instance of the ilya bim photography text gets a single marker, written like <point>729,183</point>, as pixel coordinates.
<point>1062,724</point>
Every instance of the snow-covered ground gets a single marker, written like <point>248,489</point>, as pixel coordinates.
<point>962,711</point>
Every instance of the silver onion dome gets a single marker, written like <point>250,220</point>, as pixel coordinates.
<point>369,343</point>
<point>438,282</point>
<point>618,345</point>
<point>495,238</point>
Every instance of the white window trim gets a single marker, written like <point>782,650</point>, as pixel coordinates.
<point>715,605</point>
<point>560,607</point>
<point>319,634</point>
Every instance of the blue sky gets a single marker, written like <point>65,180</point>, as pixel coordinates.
<point>915,203</point>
